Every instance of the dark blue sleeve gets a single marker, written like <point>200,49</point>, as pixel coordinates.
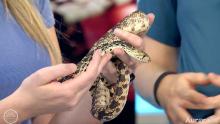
<point>45,10</point>
<point>165,28</point>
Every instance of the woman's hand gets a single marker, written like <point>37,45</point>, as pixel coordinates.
<point>40,93</point>
<point>177,93</point>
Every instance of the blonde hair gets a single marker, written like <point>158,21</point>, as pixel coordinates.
<point>30,20</point>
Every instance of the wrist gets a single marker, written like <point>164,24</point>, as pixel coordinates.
<point>15,103</point>
<point>161,86</point>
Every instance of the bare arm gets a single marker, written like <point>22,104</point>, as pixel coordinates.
<point>79,115</point>
<point>42,119</point>
<point>176,93</point>
<point>164,58</point>
<point>15,104</point>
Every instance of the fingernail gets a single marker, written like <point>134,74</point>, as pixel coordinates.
<point>212,74</point>
<point>102,53</point>
<point>117,30</point>
<point>98,52</point>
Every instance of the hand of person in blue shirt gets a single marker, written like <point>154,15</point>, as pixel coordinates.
<point>177,93</point>
<point>215,100</point>
<point>109,71</point>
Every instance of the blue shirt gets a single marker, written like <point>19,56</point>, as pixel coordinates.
<point>193,26</point>
<point>19,54</point>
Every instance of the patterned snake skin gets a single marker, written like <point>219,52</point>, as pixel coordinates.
<point>108,100</point>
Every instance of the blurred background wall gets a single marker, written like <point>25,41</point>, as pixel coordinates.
<point>79,24</point>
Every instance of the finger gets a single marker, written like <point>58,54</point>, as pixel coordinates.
<point>197,78</point>
<point>214,101</point>
<point>217,111</point>
<point>215,119</point>
<point>171,117</point>
<point>110,72</point>
<point>48,74</point>
<point>110,69</point>
<point>182,115</point>
<point>201,106</point>
<point>120,53</point>
<point>214,79</point>
<point>105,59</point>
<point>195,97</point>
<point>130,38</point>
<point>151,17</point>
<point>94,63</point>
<point>86,79</point>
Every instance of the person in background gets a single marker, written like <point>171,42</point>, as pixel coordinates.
<point>31,63</point>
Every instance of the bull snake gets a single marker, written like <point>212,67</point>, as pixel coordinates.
<point>109,100</point>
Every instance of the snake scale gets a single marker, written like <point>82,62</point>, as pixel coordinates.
<point>108,100</point>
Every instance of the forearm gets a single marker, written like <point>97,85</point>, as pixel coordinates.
<point>79,115</point>
<point>42,119</point>
<point>14,106</point>
<point>144,82</point>
<point>164,58</point>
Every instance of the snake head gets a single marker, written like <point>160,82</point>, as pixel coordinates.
<point>136,23</point>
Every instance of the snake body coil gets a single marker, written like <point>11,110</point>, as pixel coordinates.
<point>109,100</point>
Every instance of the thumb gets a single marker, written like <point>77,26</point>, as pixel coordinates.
<point>151,17</point>
<point>214,79</point>
<point>215,119</point>
<point>49,74</point>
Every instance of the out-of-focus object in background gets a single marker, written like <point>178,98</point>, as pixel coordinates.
<point>77,10</point>
<point>94,27</point>
<point>71,40</point>
<point>120,2</point>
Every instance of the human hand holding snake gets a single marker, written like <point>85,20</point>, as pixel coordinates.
<point>109,71</point>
